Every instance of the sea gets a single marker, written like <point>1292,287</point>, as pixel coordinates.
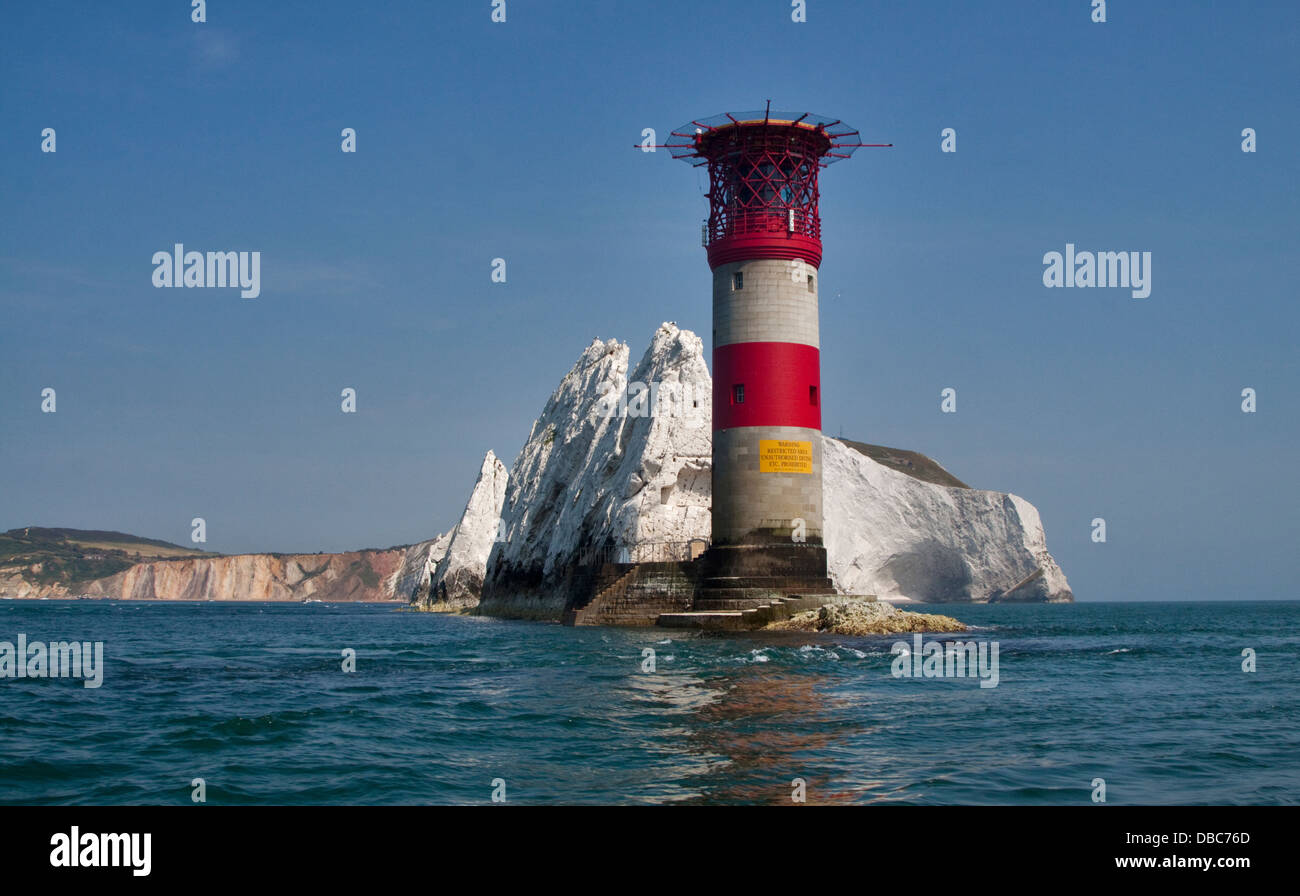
<point>257,703</point>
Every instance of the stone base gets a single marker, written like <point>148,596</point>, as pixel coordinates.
<point>769,560</point>
<point>745,577</point>
<point>732,588</point>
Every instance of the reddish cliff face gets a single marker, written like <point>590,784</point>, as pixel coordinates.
<point>353,576</point>
<point>15,585</point>
<point>65,563</point>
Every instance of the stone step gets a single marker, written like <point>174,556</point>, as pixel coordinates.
<point>727,620</point>
<point>634,594</point>
<point>723,620</point>
<point>776,583</point>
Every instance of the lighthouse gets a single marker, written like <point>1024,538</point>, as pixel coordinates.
<point>763,237</point>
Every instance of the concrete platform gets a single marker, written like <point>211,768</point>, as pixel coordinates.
<point>744,619</point>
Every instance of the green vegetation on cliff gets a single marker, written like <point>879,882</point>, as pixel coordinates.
<point>914,464</point>
<point>72,557</point>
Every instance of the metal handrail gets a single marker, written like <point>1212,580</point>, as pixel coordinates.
<point>772,219</point>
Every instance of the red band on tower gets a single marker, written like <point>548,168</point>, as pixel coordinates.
<point>780,385</point>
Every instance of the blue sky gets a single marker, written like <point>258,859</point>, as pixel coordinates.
<point>479,140</point>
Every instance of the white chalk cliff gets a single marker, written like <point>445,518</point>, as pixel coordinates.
<point>598,471</point>
<point>457,580</point>
<point>638,477</point>
<point>895,536</point>
<point>411,579</point>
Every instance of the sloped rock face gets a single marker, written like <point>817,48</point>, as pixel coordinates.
<point>369,575</point>
<point>899,538</point>
<point>412,579</point>
<point>457,581</point>
<point>352,576</point>
<point>618,460</point>
<point>606,466</point>
<point>15,586</point>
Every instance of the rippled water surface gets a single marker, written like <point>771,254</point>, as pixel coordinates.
<point>252,698</point>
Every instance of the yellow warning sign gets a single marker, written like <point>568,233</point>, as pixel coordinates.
<point>781,456</point>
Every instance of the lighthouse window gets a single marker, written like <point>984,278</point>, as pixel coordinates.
<point>810,283</point>
<point>812,395</point>
<point>738,393</point>
<point>738,280</point>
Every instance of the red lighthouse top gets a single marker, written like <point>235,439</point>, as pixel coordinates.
<point>763,180</point>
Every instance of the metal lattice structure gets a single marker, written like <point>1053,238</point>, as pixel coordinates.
<point>763,167</point>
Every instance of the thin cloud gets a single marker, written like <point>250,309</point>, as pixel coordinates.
<point>214,49</point>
